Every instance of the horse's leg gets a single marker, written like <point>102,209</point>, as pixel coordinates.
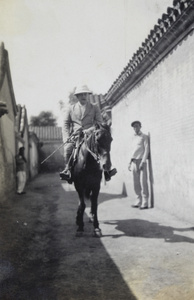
<point>88,197</point>
<point>94,208</point>
<point>80,213</point>
<point>91,217</point>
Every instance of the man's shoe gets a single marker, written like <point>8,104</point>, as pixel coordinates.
<point>109,174</point>
<point>113,172</point>
<point>65,175</point>
<point>135,206</point>
<point>143,207</point>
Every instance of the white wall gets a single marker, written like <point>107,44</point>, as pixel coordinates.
<point>164,104</point>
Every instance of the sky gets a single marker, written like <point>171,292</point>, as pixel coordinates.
<point>55,45</point>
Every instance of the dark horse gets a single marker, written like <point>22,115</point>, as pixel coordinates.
<point>92,158</point>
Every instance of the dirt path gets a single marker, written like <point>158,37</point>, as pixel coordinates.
<point>144,255</point>
<point>40,257</point>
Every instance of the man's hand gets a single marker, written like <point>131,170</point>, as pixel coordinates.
<point>141,166</point>
<point>129,166</point>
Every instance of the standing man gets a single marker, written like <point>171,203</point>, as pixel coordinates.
<point>138,166</point>
<point>81,116</point>
<point>21,171</point>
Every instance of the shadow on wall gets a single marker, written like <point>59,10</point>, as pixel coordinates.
<point>150,174</point>
<point>124,190</point>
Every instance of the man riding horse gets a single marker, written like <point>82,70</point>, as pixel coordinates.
<point>80,118</point>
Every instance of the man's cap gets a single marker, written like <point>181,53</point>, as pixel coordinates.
<point>135,122</point>
<point>82,89</point>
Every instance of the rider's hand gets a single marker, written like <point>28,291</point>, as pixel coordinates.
<point>88,130</point>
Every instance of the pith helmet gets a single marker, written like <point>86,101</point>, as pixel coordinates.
<point>82,89</point>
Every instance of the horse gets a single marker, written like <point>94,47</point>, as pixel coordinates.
<point>93,157</point>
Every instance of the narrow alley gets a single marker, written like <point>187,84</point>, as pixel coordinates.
<point>142,255</point>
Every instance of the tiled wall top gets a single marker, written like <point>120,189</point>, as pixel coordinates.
<point>157,34</point>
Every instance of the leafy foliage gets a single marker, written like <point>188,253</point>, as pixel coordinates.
<point>45,118</point>
<point>72,98</point>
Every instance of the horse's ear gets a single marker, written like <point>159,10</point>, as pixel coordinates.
<point>102,125</point>
<point>105,126</point>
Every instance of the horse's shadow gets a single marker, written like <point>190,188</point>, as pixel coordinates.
<point>146,229</point>
<point>142,228</point>
<point>106,197</point>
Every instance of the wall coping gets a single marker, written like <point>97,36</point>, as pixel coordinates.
<point>170,31</point>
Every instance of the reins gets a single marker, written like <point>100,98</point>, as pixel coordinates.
<point>67,141</point>
<point>93,154</point>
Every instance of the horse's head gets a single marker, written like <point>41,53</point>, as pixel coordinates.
<point>103,141</point>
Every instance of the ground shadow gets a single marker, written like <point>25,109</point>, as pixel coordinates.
<point>146,229</point>
<point>101,198</point>
<point>106,197</point>
<point>41,258</point>
<point>143,228</point>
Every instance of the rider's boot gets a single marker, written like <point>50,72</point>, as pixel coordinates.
<point>109,174</point>
<point>65,174</point>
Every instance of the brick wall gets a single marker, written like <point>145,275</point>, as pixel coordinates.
<point>163,102</point>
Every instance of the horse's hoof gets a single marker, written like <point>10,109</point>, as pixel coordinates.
<point>79,233</point>
<point>97,232</point>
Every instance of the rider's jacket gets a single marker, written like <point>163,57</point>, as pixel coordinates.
<point>74,119</point>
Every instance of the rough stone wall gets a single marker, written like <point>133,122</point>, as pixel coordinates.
<point>7,147</point>
<point>163,102</point>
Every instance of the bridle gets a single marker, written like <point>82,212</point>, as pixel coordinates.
<point>94,152</point>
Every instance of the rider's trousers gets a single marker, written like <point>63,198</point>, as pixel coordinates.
<point>68,150</point>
